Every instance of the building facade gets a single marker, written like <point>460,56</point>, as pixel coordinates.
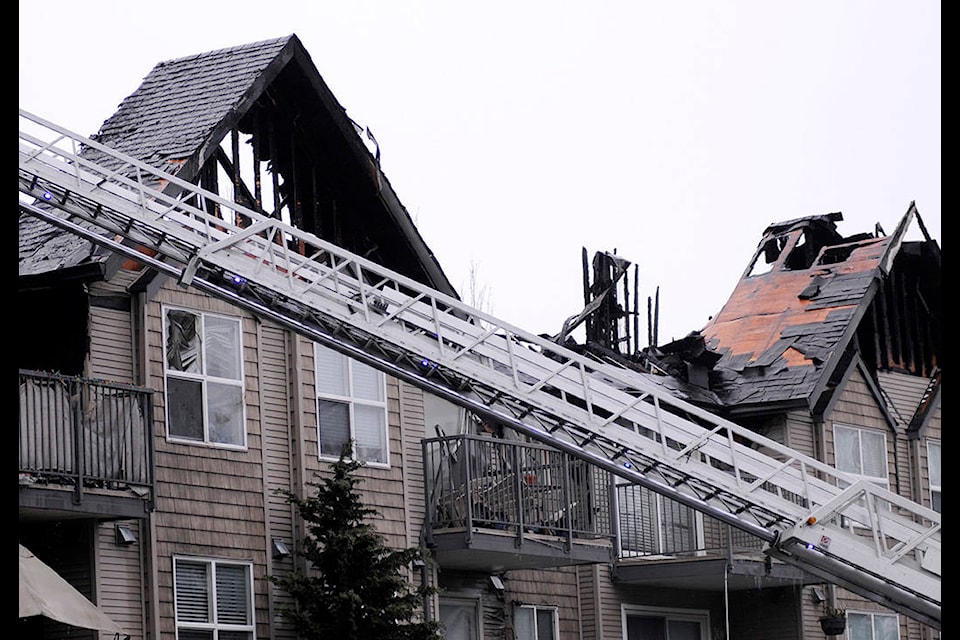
<point>160,428</point>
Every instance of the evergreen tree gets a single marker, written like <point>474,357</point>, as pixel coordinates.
<point>357,588</point>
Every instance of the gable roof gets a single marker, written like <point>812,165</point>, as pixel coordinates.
<point>783,334</point>
<point>177,117</point>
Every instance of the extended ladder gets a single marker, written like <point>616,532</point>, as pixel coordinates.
<point>865,538</point>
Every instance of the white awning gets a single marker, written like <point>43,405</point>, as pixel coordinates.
<point>44,592</point>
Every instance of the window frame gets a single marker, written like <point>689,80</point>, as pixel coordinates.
<point>204,378</point>
<point>554,612</point>
<point>884,480</point>
<point>701,616</point>
<point>215,627</point>
<point>872,615</point>
<point>350,399</point>
<point>473,604</point>
<point>934,488</point>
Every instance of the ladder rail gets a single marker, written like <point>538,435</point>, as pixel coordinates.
<point>567,396</point>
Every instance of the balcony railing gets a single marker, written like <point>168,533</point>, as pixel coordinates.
<point>85,434</point>
<point>653,526</point>
<point>497,484</point>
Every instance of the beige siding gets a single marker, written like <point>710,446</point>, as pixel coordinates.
<point>588,585</point>
<point>278,456</point>
<point>412,429</point>
<point>120,578</point>
<point>550,588</point>
<point>210,501</point>
<point>110,345</point>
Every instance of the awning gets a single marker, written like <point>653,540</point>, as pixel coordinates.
<point>44,592</point>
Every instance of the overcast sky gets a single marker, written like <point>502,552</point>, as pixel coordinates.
<point>518,133</point>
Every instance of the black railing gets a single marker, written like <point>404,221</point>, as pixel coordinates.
<point>85,433</point>
<point>499,484</point>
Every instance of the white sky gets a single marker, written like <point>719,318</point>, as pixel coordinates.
<point>517,133</point>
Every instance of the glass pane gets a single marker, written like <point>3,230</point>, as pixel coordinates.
<point>223,347</point>
<point>646,628</point>
<point>367,382</point>
<point>184,408</point>
<point>885,627</point>
<point>225,413</point>
<point>683,630</point>
<point>370,433</point>
<point>334,424</point>
<point>545,624</point>
<point>459,621</point>
<point>193,598</point>
<point>874,454</point>
<point>847,449</point>
<point>234,635</point>
<point>183,341</point>
<point>933,461</point>
<point>195,634</point>
<point>523,624</point>
<point>935,501</point>
<point>232,596</point>
<point>859,626</point>
<point>331,372</point>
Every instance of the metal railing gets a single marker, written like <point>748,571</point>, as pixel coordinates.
<point>499,484</point>
<point>653,526</point>
<point>84,433</point>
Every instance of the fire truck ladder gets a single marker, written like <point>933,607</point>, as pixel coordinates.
<point>832,525</point>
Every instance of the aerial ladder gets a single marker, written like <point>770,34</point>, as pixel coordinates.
<point>837,527</point>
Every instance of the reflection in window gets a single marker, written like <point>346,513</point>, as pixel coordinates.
<point>204,378</point>
<point>351,405</point>
<point>933,465</point>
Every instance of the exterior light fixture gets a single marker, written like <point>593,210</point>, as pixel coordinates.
<point>280,550</point>
<point>124,535</point>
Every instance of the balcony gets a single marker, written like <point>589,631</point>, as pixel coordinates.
<point>496,504</point>
<point>663,543</point>
<point>86,448</point>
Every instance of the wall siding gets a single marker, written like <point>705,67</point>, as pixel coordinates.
<point>210,501</point>
<point>120,581</point>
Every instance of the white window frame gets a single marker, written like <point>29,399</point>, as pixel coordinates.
<point>701,616</point>
<point>213,624</point>
<point>935,487</point>
<point>884,480</point>
<point>660,522</point>
<point>872,615</point>
<point>534,610</point>
<point>472,604</point>
<point>205,380</point>
<point>352,401</point>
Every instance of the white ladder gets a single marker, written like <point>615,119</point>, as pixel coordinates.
<point>609,416</point>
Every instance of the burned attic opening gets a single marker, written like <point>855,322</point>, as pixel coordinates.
<point>289,157</point>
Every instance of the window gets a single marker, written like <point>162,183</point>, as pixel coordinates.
<point>351,405</point>
<point>460,619</point>
<point>872,626</point>
<point>933,466</point>
<point>204,378</point>
<point>641,623</point>
<point>535,623</point>
<point>214,600</point>
<point>862,452</point>
<point>651,524</point>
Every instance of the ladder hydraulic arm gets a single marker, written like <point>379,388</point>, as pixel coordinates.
<point>865,538</point>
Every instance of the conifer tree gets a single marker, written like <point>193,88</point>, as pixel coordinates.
<point>357,587</point>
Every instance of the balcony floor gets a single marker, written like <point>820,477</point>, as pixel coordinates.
<point>494,550</point>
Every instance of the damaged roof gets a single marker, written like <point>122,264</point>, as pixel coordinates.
<point>177,117</point>
<point>800,309</point>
